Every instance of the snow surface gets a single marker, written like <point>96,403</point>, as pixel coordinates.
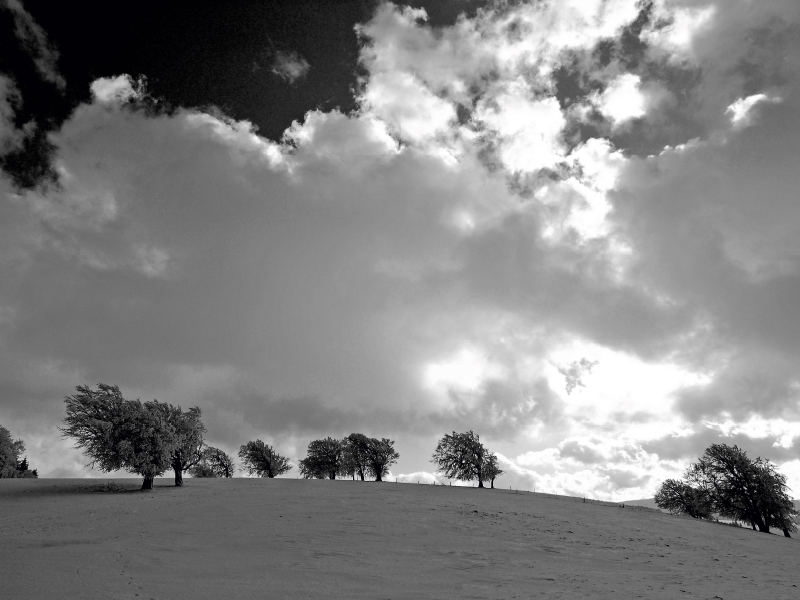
<point>285,538</point>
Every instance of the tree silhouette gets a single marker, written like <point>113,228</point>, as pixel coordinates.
<point>380,455</point>
<point>188,430</point>
<point>354,455</point>
<point>461,456</point>
<point>119,434</point>
<point>221,463</point>
<point>325,459</point>
<point>744,489</point>
<point>491,470</point>
<point>261,459</point>
<point>678,497</point>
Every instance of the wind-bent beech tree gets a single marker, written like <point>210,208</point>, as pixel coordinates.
<point>11,465</point>
<point>189,430</point>
<point>119,434</point>
<point>261,459</point>
<point>324,459</point>
<point>491,470</point>
<point>214,463</point>
<point>461,456</point>
<point>744,489</point>
<point>678,497</point>
<point>379,456</point>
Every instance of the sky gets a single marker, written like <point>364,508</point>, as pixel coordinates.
<point>572,227</point>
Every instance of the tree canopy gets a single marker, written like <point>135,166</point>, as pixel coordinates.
<point>738,487</point>
<point>119,434</point>
<point>213,463</point>
<point>188,430</point>
<point>678,497</point>
<point>13,465</point>
<point>262,459</point>
<point>380,455</point>
<point>354,455</point>
<point>325,459</point>
<point>491,469</point>
<point>461,456</point>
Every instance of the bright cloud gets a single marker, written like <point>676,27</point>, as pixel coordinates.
<point>116,90</point>
<point>511,235</point>
<point>622,100</point>
<point>741,111</point>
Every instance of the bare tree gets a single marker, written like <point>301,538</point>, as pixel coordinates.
<point>262,459</point>
<point>119,434</point>
<point>461,456</point>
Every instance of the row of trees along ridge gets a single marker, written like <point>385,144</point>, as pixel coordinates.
<point>148,438</point>
<point>727,482</point>
<point>355,455</point>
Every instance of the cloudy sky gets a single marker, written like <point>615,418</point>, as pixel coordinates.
<point>570,226</point>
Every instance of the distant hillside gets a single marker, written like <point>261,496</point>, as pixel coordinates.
<point>648,502</point>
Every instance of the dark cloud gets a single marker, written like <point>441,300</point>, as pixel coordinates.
<point>581,453</point>
<point>692,446</point>
<point>622,479</point>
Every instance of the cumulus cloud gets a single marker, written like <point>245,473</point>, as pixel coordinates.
<point>475,248</point>
<point>741,111</point>
<point>116,90</point>
<point>622,100</point>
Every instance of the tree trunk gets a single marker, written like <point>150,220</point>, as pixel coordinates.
<point>480,483</point>
<point>332,474</point>
<point>786,532</point>
<point>378,476</point>
<point>361,474</point>
<point>178,476</point>
<point>492,482</point>
<point>147,484</point>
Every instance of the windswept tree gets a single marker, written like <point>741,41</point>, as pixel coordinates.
<point>188,431</point>
<point>678,497</point>
<point>13,465</point>
<point>119,434</point>
<point>325,459</point>
<point>461,456</point>
<point>202,470</point>
<point>214,463</point>
<point>744,489</point>
<point>379,456</point>
<point>262,459</point>
<point>491,469</point>
<point>354,455</point>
